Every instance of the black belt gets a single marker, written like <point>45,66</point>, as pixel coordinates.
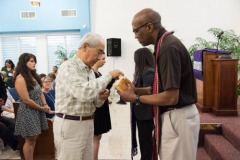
<point>166,109</point>
<point>75,118</point>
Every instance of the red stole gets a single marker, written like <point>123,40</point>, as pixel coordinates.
<point>156,109</point>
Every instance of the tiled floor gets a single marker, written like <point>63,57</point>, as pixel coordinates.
<point>114,145</point>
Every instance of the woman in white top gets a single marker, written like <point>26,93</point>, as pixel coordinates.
<point>8,109</point>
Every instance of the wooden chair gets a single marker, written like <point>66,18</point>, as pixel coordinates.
<point>44,148</point>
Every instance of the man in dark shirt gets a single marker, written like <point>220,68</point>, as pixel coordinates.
<point>174,90</point>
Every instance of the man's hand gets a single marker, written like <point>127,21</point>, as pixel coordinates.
<point>116,73</point>
<point>2,102</point>
<point>104,94</point>
<point>129,95</point>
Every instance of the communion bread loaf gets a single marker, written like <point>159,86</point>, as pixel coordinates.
<point>122,84</point>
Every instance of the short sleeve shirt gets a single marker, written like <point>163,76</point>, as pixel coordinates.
<point>175,70</point>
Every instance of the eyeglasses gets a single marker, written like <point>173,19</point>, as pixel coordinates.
<point>137,29</point>
<point>47,82</point>
<point>100,52</point>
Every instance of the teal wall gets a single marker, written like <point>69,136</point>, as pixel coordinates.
<point>48,16</point>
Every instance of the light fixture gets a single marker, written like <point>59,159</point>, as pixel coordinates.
<point>35,3</point>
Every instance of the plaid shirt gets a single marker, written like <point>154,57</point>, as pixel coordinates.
<point>77,89</point>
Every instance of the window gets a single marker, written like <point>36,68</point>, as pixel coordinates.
<point>13,47</point>
<point>69,42</point>
<point>10,49</point>
<point>27,44</point>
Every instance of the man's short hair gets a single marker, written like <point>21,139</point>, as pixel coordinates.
<point>65,59</point>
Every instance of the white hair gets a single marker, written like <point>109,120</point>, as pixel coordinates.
<point>92,39</point>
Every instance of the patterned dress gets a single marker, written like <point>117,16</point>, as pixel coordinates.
<point>31,122</point>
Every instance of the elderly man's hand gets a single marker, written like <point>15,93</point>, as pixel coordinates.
<point>129,95</point>
<point>116,73</point>
<point>104,94</point>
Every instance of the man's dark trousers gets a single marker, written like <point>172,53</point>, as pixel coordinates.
<point>7,127</point>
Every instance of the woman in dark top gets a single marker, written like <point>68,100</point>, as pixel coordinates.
<point>142,115</point>
<point>8,68</point>
<point>102,119</point>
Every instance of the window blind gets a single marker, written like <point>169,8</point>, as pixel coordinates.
<point>13,47</point>
<point>27,45</point>
<point>10,49</point>
<point>69,42</point>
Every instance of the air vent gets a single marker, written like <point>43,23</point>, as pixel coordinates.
<point>69,13</point>
<point>28,15</point>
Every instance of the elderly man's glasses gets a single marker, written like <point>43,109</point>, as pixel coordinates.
<point>100,52</point>
<point>137,29</point>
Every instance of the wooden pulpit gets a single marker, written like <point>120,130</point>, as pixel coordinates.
<point>210,86</point>
<point>225,87</point>
<point>205,86</point>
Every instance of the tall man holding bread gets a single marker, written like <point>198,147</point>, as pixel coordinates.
<point>78,93</point>
<point>173,95</point>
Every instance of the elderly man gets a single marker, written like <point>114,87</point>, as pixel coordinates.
<point>78,93</point>
<point>174,90</point>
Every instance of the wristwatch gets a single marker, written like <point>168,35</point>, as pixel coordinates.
<point>138,100</point>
